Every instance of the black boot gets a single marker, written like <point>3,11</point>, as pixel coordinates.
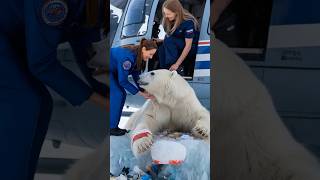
<point>117,132</point>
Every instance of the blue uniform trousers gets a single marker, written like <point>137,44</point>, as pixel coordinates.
<point>117,100</point>
<point>25,110</point>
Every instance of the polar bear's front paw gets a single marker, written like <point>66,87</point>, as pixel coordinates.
<point>141,142</point>
<point>142,145</point>
<point>200,131</point>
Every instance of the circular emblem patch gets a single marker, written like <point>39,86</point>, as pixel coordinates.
<point>126,65</point>
<point>54,12</point>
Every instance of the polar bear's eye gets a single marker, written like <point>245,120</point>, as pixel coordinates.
<point>152,73</point>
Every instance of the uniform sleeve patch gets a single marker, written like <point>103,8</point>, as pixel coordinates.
<point>189,31</point>
<point>54,12</point>
<point>126,65</point>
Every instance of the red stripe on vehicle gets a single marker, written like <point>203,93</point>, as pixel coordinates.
<point>206,42</point>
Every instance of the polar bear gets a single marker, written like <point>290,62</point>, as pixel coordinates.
<point>175,108</point>
<point>250,140</point>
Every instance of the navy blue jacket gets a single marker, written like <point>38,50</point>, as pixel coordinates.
<point>30,31</point>
<point>122,64</point>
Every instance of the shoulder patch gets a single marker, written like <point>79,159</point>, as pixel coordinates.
<point>189,31</point>
<point>54,12</point>
<point>126,65</point>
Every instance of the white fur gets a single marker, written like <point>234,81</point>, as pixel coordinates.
<point>175,108</point>
<point>250,140</point>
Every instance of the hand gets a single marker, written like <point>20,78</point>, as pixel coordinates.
<point>100,100</point>
<point>174,67</point>
<point>146,95</point>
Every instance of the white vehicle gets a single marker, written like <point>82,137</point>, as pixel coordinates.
<point>280,41</point>
<point>142,19</point>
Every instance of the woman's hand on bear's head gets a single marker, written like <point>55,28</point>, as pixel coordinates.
<point>174,67</point>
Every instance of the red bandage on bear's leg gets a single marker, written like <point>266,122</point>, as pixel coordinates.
<point>140,134</point>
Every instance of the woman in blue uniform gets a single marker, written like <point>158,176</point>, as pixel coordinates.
<point>125,61</point>
<point>30,31</point>
<point>181,38</point>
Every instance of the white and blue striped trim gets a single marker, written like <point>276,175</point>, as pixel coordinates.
<point>203,64</point>
<point>201,73</point>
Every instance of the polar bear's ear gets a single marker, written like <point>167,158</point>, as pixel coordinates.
<point>173,74</point>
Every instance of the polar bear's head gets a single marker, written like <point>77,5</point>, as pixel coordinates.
<point>165,85</point>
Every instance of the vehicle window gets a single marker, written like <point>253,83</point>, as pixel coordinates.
<point>244,26</point>
<point>137,18</point>
<point>162,33</point>
<point>209,28</point>
<point>115,16</point>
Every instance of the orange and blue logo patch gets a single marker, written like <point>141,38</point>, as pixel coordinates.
<point>54,12</point>
<point>126,65</point>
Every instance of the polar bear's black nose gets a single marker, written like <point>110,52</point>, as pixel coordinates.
<point>152,73</point>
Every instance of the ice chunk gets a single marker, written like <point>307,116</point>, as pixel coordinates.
<point>197,158</point>
<point>120,154</point>
<point>168,152</point>
<point>121,177</point>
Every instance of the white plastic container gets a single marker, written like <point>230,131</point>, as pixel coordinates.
<point>168,152</point>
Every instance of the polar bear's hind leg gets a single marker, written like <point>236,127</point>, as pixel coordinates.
<point>201,129</point>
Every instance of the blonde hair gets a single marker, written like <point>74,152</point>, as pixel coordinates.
<point>181,15</point>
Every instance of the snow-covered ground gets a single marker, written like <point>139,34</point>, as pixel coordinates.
<point>197,158</point>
